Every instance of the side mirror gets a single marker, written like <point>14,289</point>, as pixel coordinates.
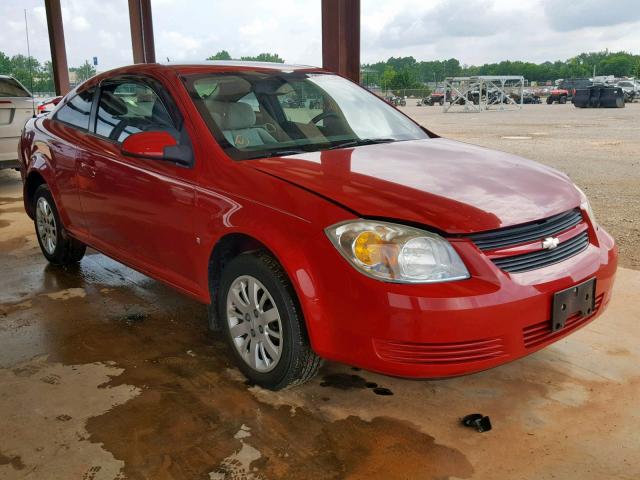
<point>158,145</point>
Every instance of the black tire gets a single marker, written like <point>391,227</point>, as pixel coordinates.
<point>563,99</point>
<point>67,250</point>
<point>441,102</point>
<point>298,363</point>
<point>549,100</point>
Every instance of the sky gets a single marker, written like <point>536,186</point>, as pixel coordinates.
<point>473,31</point>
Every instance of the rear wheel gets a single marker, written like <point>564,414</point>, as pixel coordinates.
<point>56,244</point>
<point>549,100</point>
<point>563,99</point>
<point>263,323</point>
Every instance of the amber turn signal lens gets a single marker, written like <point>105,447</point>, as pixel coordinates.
<point>366,248</point>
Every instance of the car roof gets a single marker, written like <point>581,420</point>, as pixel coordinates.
<point>213,66</point>
<point>196,68</point>
<point>237,64</point>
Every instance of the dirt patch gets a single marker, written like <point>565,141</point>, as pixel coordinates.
<point>365,450</point>
<point>38,429</point>
<point>15,461</point>
<point>9,200</point>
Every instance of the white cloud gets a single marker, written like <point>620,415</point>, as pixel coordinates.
<point>184,46</point>
<point>258,27</point>
<point>578,14</point>
<point>80,24</point>
<point>16,26</point>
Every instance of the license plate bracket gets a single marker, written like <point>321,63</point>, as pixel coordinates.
<point>579,299</point>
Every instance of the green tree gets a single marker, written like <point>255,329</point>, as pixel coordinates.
<point>264,57</point>
<point>619,65</point>
<point>221,55</point>
<point>388,76</point>
<point>24,68</point>
<point>84,71</point>
<point>5,63</point>
<point>410,71</point>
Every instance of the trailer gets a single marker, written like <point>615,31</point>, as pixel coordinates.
<point>599,96</point>
<point>484,92</point>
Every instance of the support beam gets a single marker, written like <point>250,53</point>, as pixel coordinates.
<point>341,37</point>
<point>58,49</point>
<point>142,31</point>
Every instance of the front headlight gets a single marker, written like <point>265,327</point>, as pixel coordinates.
<point>586,206</point>
<point>397,253</point>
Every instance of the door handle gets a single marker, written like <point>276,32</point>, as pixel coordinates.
<point>88,170</point>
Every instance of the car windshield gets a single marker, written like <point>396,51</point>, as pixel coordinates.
<point>256,114</point>
<point>10,87</point>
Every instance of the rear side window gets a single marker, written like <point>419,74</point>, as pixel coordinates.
<point>10,87</point>
<point>129,107</point>
<point>77,110</point>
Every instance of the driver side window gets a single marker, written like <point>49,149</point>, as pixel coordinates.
<point>128,107</point>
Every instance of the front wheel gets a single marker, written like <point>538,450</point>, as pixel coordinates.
<point>56,244</point>
<point>263,323</point>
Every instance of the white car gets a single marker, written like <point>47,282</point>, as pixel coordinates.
<point>16,107</point>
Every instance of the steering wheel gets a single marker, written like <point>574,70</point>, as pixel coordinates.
<point>323,115</point>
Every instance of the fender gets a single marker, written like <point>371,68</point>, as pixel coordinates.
<point>272,228</point>
<point>40,163</point>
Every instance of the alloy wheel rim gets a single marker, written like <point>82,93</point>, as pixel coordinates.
<point>46,224</point>
<point>254,323</point>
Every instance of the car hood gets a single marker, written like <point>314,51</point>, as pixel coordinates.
<point>451,186</point>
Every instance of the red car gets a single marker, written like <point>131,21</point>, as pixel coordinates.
<point>47,105</point>
<point>339,229</point>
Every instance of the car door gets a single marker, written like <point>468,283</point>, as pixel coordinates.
<point>68,130</point>
<point>138,210</point>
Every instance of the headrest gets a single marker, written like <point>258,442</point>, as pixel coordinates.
<point>112,104</point>
<point>238,115</point>
<point>232,87</point>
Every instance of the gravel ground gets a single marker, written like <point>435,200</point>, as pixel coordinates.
<point>598,148</point>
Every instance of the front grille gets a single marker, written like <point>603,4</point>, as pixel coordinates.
<point>540,333</point>
<point>439,353</point>
<point>507,237</point>
<point>543,258</point>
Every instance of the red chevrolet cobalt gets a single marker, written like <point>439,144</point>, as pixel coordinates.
<point>316,220</point>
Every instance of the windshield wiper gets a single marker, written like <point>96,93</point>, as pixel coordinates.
<point>361,141</point>
<point>348,143</point>
<point>279,153</point>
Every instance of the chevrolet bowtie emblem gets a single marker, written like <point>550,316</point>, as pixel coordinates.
<point>550,243</point>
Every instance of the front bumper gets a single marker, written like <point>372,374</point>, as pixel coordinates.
<point>456,328</point>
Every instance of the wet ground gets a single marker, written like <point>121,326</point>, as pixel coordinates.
<point>106,374</point>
